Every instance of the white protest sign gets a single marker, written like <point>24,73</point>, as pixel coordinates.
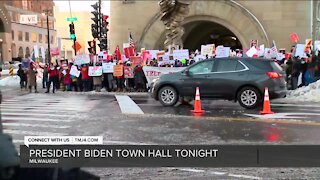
<point>64,72</point>
<point>43,52</point>
<point>152,73</point>
<point>206,50</point>
<point>180,54</point>
<point>108,67</point>
<point>95,71</point>
<point>36,51</point>
<point>317,45</point>
<point>82,59</point>
<point>153,53</point>
<point>251,51</point>
<point>300,51</point>
<point>267,53</point>
<point>261,50</point>
<point>63,140</point>
<point>280,56</point>
<point>199,57</point>
<point>74,71</point>
<point>222,52</point>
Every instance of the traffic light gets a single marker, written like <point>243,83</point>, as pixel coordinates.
<point>72,32</point>
<point>104,26</point>
<point>96,20</point>
<point>92,47</point>
<point>103,44</point>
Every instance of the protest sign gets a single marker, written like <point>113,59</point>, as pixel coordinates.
<point>299,51</point>
<point>108,67</point>
<point>137,60</point>
<point>43,52</point>
<point>153,53</point>
<point>36,51</point>
<point>25,63</point>
<point>261,50</point>
<point>294,37</point>
<point>54,51</point>
<point>118,70</point>
<point>128,71</point>
<point>252,51</point>
<point>280,56</point>
<point>317,45</point>
<point>267,53</point>
<point>222,52</point>
<point>206,50</point>
<point>95,71</point>
<point>180,54</point>
<point>152,73</point>
<point>160,53</point>
<point>74,71</point>
<point>81,59</point>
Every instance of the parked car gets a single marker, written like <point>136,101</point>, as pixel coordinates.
<point>238,79</point>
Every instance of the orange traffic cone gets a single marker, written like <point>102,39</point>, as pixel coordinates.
<point>266,103</point>
<point>197,103</point>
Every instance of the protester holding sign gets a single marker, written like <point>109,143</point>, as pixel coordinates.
<point>119,74</point>
<point>53,77</point>
<point>85,77</point>
<point>139,79</point>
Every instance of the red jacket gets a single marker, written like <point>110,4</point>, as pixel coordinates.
<point>52,73</point>
<point>84,72</point>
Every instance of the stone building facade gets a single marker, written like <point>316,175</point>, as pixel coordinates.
<point>247,20</point>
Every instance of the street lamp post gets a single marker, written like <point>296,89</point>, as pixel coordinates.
<point>48,32</point>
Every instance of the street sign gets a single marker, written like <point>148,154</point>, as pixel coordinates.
<point>72,19</point>
<point>78,46</point>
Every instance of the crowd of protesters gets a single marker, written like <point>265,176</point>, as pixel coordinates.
<point>299,72</point>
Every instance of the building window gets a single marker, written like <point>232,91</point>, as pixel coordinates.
<point>20,36</point>
<point>27,36</point>
<point>46,39</point>
<point>34,37</point>
<point>20,54</point>
<point>27,52</point>
<point>12,33</point>
<point>127,1</point>
<point>40,38</point>
<point>25,4</point>
<point>51,40</point>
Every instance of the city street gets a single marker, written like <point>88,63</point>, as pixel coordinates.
<point>138,119</point>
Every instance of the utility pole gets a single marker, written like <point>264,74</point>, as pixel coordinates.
<point>46,12</point>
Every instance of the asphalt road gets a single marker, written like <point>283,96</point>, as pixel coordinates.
<point>105,115</point>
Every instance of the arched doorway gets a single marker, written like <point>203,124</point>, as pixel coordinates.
<point>229,14</point>
<point>27,52</point>
<point>20,54</point>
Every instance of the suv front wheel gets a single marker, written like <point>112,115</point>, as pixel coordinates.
<point>249,97</point>
<point>168,96</point>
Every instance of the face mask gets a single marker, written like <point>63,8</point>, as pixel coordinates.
<point>52,68</point>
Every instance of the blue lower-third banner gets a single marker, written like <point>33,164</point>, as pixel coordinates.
<point>170,156</point>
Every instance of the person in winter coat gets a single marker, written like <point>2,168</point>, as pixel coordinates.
<point>23,77</point>
<point>85,77</point>
<point>53,77</point>
<point>97,80</point>
<point>120,81</point>
<point>295,72</point>
<point>45,76</point>
<point>139,78</point>
<point>32,78</point>
<point>67,80</point>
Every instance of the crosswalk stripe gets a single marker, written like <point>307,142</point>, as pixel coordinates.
<point>51,109</point>
<point>5,118</point>
<point>33,133</point>
<point>8,114</point>
<point>127,105</point>
<point>6,125</point>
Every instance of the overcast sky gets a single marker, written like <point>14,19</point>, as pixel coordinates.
<point>81,5</point>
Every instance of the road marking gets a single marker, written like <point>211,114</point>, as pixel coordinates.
<point>8,114</point>
<point>243,176</point>
<point>127,105</point>
<point>192,170</point>
<point>5,118</point>
<point>6,125</point>
<point>33,133</point>
<point>39,108</point>
<point>282,115</point>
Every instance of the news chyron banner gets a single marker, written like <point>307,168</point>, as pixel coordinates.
<point>89,151</point>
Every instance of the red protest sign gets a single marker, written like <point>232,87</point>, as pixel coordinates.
<point>128,72</point>
<point>294,37</point>
<point>137,60</point>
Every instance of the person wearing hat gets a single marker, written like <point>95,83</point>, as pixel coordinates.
<point>32,78</point>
